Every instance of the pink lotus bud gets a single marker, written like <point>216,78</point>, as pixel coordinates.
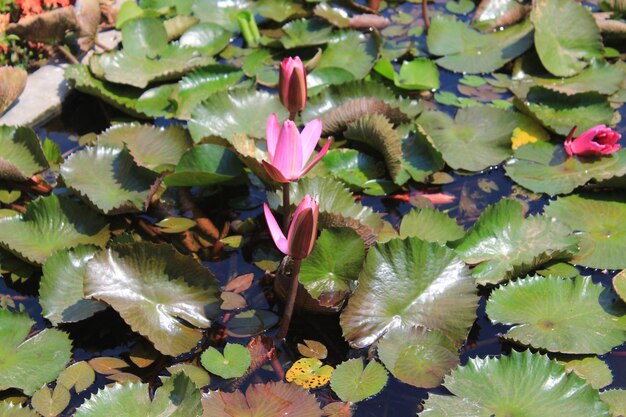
<point>292,84</point>
<point>289,150</point>
<point>599,140</point>
<point>302,231</point>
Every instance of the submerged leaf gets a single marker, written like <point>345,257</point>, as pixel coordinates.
<point>152,287</point>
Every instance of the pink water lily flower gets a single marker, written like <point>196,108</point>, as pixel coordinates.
<point>302,231</point>
<point>292,84</point>
<point>289,150</point>
<point>599,140</point>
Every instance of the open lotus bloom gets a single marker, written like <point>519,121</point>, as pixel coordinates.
<point>599,140</point>
<point>289,150</point>
<point>292,84</point>
<point>302,231</point>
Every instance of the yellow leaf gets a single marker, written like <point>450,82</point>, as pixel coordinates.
<point>309,373</point>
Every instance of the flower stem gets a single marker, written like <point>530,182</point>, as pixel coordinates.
<point>425,14</point>
<point>291,300</point>
<point>292,116</point>
<point>286,208</point>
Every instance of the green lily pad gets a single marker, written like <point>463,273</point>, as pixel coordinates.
<point>505,245</point>
<point>460,6</point>
<point>51,402</point>
<point>420,159</point>
<point>616,400</point>
<point>326,276</point>
<point>406,283</point>
<point>306,32</point>
<point>21,155</point>
<point>208,38</point>
<point>418,356</point>
<point>122,97</point>
<point>477,138</point>
<point>431,225</point>
<point>567,44</point>
<point>199,376</point>
<point>560,112</point>
<point>200,84</point>
<point>49,224</point>
<point>27,364</point>
<point>483,388</point>
<point>352,382</point>
<point>61,289</point>
<point>159,101</point>
<point>352,51</point>
<point>288,400</point>
<point>78,375</point>
<point>469,51</point>
<point>558,315</point>
<point>619,284</point>
<point>592,369</point>
<point>156,148</point>
<point>322,78</point>
<point>223,14</point>
<point>544,167</point>
<point>232,364</point>
<point>418,74</point>
<point>177,397</point>
<point>9,409</point>
<point>598,221</point>
<point>109,178</point>
<point>152,287</point>
<point>337,206</point>
<point>279,10</point>
<point>352,167</point>
<point>238,111</point>
<point>205,165</point>
<point>144,36</point>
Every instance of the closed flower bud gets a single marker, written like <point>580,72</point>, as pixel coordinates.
<point>292,84</point>
<point>599,140</point>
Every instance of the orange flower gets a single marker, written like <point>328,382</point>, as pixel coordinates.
<point>29,7</point>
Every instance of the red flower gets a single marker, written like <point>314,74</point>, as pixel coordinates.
<point>599,140</point>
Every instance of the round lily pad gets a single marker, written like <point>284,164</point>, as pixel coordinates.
<point>353,383</point>
<point>152,287</point>
<point>406,283</point>
<point>483,388</point>
<point>558,315</point>
<point>233,363</point>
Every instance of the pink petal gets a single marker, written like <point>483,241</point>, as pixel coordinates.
<point>288,156</point>
<point>277,235</point>
<point>317,158</point>
<point>303,228</point>
<point>274,173</point>
<point>309,137</point>
<point>272,130</point>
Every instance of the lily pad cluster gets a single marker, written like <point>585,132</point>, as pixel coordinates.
<point>155,225</point>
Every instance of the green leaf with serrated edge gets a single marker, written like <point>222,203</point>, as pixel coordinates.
<point>159,101</point>
<point>431,225</point>
<point>592,369</point>
<point>616,400</point>
<point>238,111</point>
<point>50,402</point>
<point>483,388</point>
<point>27,364</point>
<point>108,178</point>
<point>155,148</point>
<point>61,288</point>
<point>544,167</point>
<point>306,32</point>
<point>326,276</point>
<point>205,165</point>
<point>288,400</point>
<point>79,375</point>
<point>418,356</point>
<point>122,97</point>
<point>560,112</point>
<point>232,364</point>
<point>152,287</point>
<point>558,315</point>
<point>352,167</point>
<point>565,45</point>
<point>477,138</point>
<point>49,224</point>
<point>21,155</point>
<point>337,206</point>
<point>353,383</point>
<point>406,283</point>
<point>223,14</point>
<point>177,397</point>
<point>598,221</point>
<point>504,245</point>
<point>9,409</point>
<point>351,50</point>
<point>467,50</point>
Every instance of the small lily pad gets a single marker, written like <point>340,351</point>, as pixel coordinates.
<point>593,369</point>
<point>353,383</point>
<point>79,376</point>
<point>313,349</point>
<point>50,402</point>
<point>233,363</point>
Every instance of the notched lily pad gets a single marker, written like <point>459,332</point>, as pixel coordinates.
<point>352,382</point>
<point>152,287</point>
<point>21,155</point>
